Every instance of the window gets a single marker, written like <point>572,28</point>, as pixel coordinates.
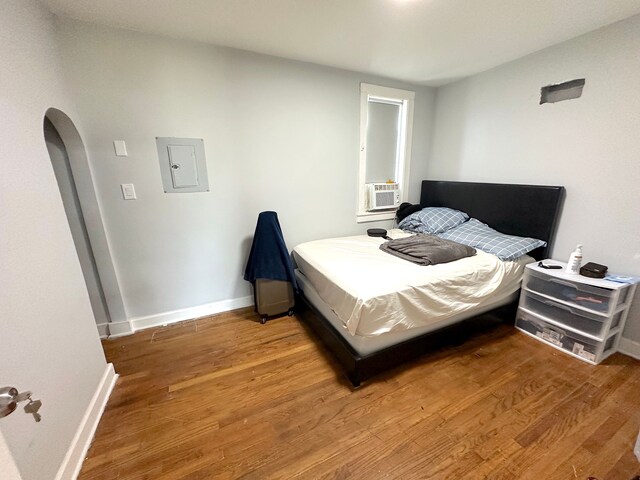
<point>386,120</point>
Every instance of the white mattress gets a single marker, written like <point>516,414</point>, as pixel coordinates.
<point>366,345</point>
<point>372,292</point>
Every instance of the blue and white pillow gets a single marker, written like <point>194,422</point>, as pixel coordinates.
<point>476,234</point>
<point>433,220</point>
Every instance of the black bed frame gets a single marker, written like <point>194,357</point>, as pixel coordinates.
<point>523,210</point>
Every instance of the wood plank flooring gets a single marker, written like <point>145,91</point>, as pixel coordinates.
<point>225,397</point>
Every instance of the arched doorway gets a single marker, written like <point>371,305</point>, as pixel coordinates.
<point>73,174</point>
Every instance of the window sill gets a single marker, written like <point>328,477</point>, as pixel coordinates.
<point>363,217</point>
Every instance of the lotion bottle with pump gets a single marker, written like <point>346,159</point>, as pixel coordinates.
<point>575,260</point>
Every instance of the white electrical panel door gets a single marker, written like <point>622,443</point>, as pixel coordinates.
<point>184,170</point>
<point>183,166</point>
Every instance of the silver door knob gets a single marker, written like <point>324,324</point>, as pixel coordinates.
<point>8,400</point>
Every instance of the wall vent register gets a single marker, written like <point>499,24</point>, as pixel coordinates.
<point>182,164</point>
<point>562,91</point>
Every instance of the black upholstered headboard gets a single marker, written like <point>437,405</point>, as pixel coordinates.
<point>523,210</point>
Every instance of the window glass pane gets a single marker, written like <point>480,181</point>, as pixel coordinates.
<point>382,141</point>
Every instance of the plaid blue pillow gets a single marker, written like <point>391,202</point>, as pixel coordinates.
<point>476,234</point>
<point>433,220</point>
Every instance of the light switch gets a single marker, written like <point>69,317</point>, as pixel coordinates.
<point>120,148</point>
<point>128,191</point>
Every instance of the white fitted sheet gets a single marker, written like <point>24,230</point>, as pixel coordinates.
<point>367,345</point>
<point>372,292</point>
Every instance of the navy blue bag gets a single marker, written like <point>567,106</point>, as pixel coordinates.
<point>269,257</point>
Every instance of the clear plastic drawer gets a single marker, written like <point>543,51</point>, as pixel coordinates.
<point>579,345</point>
<point>578,294</point>
<point>590,323</point>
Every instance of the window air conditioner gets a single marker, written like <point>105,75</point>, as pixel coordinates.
<point>382,196</point>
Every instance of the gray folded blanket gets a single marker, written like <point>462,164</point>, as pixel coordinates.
<point>426,249</point>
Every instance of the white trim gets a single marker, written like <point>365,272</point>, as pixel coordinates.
<point>629,347</point>
<point>128,327</point>
<point>405,167</point>
<point>397,96</point>
<point>390,93</point>
<point>139,323</point>
<point>362,160</point>
<point>119,329</point>
<point>72,463</point>
<point>103,330</point>
<point>375,216</point>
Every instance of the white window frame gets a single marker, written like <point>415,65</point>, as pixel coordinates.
<point>395,96</point>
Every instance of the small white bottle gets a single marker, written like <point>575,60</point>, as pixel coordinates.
<point>575,260</point>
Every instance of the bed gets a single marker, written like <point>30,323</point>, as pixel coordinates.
<point>393,324</point>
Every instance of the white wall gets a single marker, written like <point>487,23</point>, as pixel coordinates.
<point>49,340</point>
<point>490,127</point>
<point>279,135</point>
<point>9,467</point>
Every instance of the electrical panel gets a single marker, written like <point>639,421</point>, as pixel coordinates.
<point>183,165</point>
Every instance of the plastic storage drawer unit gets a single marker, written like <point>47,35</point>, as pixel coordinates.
<point>573,292</point>
<point>582,316</point>
<point>581,346</point>
<point>574,318</point>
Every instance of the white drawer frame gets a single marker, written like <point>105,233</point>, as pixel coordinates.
<point>616,289</point>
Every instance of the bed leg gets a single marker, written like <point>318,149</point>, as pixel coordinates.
<point>354,378</point>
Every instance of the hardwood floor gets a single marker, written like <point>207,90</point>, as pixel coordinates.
<point>226,397</point>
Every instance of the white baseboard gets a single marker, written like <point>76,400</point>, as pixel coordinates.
<point>119,329</point>
<point>629,347</point>
<point>103,330</point>
<point>72,462</point>
<point>148,321</point>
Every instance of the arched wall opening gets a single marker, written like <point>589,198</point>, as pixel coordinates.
<point>73,173</point>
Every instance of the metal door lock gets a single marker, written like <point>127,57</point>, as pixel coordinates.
<point>9,399</point>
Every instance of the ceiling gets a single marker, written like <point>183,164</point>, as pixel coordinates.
<point>430,42</point>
